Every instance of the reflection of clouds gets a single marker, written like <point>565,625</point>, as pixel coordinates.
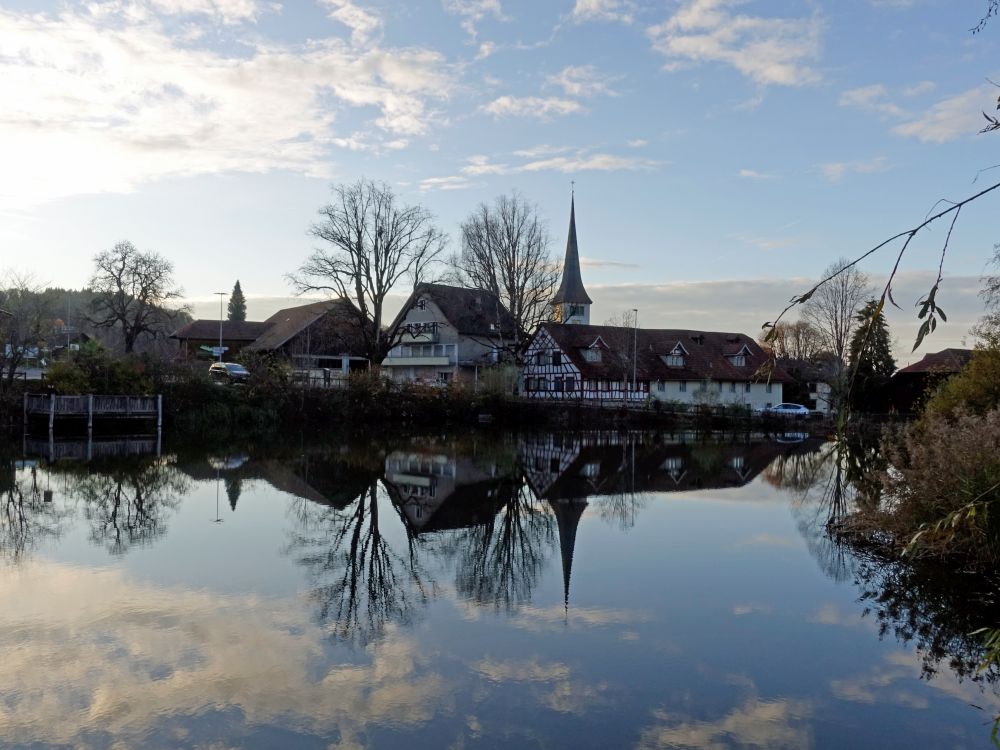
<point>885,683</point>
<point>89,652</point>
<point>778,724</point>
<point>750,608</point>
<point>772,540</point>
<point>557,617</point>
<point>831,614</point>
<point>552,684</point>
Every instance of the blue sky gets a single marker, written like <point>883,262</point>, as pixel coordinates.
<point>724,151</point>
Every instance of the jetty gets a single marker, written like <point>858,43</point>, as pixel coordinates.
<point>90,407</point>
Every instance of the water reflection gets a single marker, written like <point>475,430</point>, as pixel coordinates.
<point>433,577</point>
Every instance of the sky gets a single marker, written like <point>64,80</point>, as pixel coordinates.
<point>724,152</point>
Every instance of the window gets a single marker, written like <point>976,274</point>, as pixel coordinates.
<point>812,387</point>
<point>444,377</point>
<point>732,387</point>
<point>591,355</point>
<point>570,385</point>
<point>539,358</point>
<point>746,388</point>
<point>421,304</point>
<point>738,360</point>
<point>543,384</point>
<point>529,384</point>
<point>767,389</point>
<point>661,386</point>
<point>602,385</point>
<point>674,360</point>
<point>557,358</point>
<point>684,386</point>
<point>768,405</point>
<point>557,384</point>
<point>720,387</point>
<point>554,465</point>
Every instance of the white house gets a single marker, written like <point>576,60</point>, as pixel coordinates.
<point>448,334</point>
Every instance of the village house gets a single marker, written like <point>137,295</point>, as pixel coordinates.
<point>322,336</point>
<point>570,359</point>
<point>908,388</point>
<point>447,334</point>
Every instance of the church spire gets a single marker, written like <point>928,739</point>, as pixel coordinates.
<point>568,513</point>
<point>571,301</point>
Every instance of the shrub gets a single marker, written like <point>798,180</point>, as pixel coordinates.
<point>975,389</point>
<point>941,486</point>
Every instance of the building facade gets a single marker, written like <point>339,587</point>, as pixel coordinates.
<point>447,334</point>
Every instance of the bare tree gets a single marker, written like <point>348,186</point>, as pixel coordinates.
<point>375,244</point>
<point>22,323</point>
<point>505,250</point>
<point>799,340</point>
<point>620,356</point>
<point>832,309</point>
<point>130,290</point>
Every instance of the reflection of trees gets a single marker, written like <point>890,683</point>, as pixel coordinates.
<point>25,518</point>
<point>500,561</point>
<point>359,582</point>
<point>234,486</point>
<point>127,503</point>
<point>937,610</point>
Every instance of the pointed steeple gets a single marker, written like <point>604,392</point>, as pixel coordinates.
<point>568,513</point>
<point>572,301</point>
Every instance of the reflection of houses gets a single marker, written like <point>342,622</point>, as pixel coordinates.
<point>570,359</point>
<point>438,491</point>
<point>906,389</point>
<point>323,334</point>
<point>447,333</point>
<point>602,463</point>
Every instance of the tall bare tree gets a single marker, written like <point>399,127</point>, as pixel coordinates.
<point>22,323</point>
<point>798,340</point>
<point>375,243</point>
<point>832,309</point>
<point>131,289</point>
<point>505,250</point>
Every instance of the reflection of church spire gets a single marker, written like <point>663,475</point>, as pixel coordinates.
<point>568,513</point>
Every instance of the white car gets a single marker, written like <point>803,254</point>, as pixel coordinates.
<point>788,410</point>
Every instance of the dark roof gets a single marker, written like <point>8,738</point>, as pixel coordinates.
<point>472,312</point>
<point>705,358</point>
<point>821,369</point>
<point>571,289</point>
<point>944,361</point>
<point>291,321</point>
<point>232,330</point>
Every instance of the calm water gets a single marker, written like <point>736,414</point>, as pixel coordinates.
<point>571,590</point>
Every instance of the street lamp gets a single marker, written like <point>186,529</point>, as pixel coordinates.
<point>635,346</point>
<point>222,295</point>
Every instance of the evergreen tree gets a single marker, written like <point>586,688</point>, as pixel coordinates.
<point>237,304</point>
<point>871,360</point>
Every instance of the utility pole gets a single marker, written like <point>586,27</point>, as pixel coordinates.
<point>222,296</point>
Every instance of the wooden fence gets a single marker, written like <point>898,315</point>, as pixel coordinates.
<point>90,406</point>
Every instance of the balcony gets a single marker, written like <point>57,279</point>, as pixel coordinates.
<point>416,362</point>
<point>419,333</point>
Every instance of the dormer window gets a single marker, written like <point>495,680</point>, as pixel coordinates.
<point>592,354</point>
<point>421,304</point>
<point>738,360</point>
<point>675,358</point>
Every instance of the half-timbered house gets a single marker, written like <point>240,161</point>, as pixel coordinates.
<point>608,363</point>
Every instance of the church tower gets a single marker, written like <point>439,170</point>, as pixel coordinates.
<point>571,303</point>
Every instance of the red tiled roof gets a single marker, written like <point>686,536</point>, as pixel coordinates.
<point>705,358</point>
<point>944,361</point>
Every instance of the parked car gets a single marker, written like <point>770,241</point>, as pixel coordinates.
<point>228,372</point>
<point>788,410</point>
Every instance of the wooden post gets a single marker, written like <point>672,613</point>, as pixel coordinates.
<point>25,410</point>
<point>52,411</point>
<point>90,412</point>
<point>159,411</point>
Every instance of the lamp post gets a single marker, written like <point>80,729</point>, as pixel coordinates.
<point>635,346</point>
<point>222,296</point>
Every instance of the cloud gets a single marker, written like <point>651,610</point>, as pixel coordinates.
<point>573,161</point>
<point>769,51</point>
<point>595,263</point>
<point>871,98</point>
<point>603,10</point>
<point>835,171</point>
<point>453,182</point>
<point>583,81</point>
<point>100,102</point>
<point>531,106</point>
<point>951,118</point>
<point>919,89</point>
<point>752,174</point>
<point>362,23</point>
<point>637,143</point>
<point>472,12</point>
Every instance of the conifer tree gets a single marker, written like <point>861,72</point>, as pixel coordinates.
<point>871,360</point>
<point>237,304</point>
